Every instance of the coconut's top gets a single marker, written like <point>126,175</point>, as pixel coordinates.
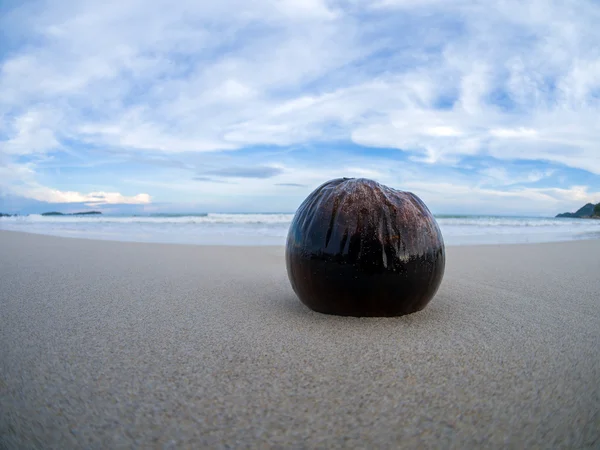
<point>354,217</point>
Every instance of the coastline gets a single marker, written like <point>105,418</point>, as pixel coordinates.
<point>272,229</point>
<point>111,344</point>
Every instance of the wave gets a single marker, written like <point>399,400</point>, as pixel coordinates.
<point>272,229</point>
<point>203,218</point>
<point>173,215</point>
<point>445,221</point>
<point>488,221</point>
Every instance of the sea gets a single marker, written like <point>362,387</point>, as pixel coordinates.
<point>272,229</point>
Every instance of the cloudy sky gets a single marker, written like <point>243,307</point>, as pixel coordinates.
<point>151,105</point>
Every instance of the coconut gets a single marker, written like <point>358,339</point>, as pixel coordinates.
<point>358,248</point>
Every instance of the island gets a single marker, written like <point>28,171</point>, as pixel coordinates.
<point>588,211</point>
<point>85,213</point>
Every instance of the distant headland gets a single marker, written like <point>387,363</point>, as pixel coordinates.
<point>588,211</point>
<point>84,213</point>
<point>56,213</point>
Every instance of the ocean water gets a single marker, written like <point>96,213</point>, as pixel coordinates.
<point>271,229</point>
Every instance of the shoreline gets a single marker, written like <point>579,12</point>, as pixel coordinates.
<point>107,344</point>
<point>274,245</point>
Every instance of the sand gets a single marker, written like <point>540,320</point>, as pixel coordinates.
<point>125,345</point>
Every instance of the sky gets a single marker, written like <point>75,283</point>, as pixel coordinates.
<point>477,107</point>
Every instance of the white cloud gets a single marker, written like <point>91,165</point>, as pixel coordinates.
<point>304,8</point>
<point>494,190</point>
<point>31,132</point>
<point>523,201</point>
<point>45,194</point>
<point>20,180</point>
<point>443,131</point>
<point>513,133</point>
<point>440,79</point>
<point>501,176</point>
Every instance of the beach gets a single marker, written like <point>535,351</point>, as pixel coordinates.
<point>107,344</point>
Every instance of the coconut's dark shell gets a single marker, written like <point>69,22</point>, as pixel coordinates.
<point>358,248</point>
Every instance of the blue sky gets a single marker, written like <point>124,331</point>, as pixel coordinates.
<point>148,106</point>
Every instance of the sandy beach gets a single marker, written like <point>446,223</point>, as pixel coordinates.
<point>132,345</point>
